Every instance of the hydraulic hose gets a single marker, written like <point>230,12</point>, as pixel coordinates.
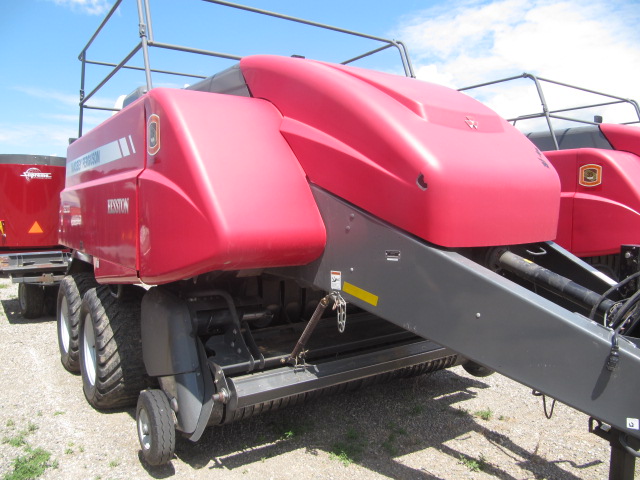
<point>553,282</point>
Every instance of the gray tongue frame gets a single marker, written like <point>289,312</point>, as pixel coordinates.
<point>449,299</point>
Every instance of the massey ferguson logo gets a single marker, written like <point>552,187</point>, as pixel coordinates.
<point>117,205</point>
<point>472,122</point>
<point>32,173</point>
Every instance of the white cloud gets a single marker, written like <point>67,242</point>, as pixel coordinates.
<point>91,7</point>
<point>66,99</point>
<point>594,45</point>
<point>38,139</point>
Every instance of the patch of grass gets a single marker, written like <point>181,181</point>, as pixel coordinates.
<point>348,450</point>
<point>486,414</point>
<point>474,465</point>
<point>19,439</point>
<point>16,440</point>
<point>417,409</point>
<point>31,465</point>
<point>390,443</point>
<point>288,429</point>
<point>58,412</point>
<point>10,423</point>
<point>114,463</point>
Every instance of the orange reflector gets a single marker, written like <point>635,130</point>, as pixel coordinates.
<point>35,228</point>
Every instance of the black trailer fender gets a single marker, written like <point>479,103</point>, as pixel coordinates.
<point>170,352</point>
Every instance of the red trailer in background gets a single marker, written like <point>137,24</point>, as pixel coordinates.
<point>30,188</point>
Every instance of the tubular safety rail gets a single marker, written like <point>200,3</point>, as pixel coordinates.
<point>553,114</point>
<point>147,40</point>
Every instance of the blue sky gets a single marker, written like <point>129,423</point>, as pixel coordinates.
<point>457,43</point>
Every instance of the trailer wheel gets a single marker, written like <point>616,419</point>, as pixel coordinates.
<point>68,302</point>
<point>156,427</point>
<point>477,370</point>
<point>110,350</point>
<point>31,298</point>
<point>50,300</point>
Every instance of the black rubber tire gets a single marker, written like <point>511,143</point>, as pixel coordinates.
<point>50,300</point>
<point>68,303</point>
<point>113,372</point>
<point>31,299</point>
<point>156,427</point>
<point>477,370</point>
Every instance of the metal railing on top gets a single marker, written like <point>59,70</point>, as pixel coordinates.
<point>147,40</point>
<point>548,114</point>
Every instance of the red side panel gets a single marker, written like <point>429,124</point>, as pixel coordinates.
<point>29,201</point>
<point>99,202</point>
<point>623,137</point>
<point>224,191</point>
<point>425,158</point>
<point>604,210</point>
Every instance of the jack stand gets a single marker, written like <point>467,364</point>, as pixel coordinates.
<point>624,450</point>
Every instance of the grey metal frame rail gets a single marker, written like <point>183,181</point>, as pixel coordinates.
<point>145,30</point>
<point>549,114</point>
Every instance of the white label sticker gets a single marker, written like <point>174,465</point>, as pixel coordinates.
<point>633,423</point>
<point>336,280</point>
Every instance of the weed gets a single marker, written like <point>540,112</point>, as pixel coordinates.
<point>389,445</point>
<point>32,427</point>
<point>353,434</point>
<point>69,451</point>
<point>10,423</point>
<point>472,464</point>
<point>15,441</point>
<point>58,412</point>
<point>81,449</point>
<point>349,450</point>
<point>114,463</point>
<point>31,465</point>
<point>288,429</point>
<point>484,414</point>
<point>417,409</point>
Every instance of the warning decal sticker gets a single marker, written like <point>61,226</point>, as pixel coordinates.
<point>336,280</point>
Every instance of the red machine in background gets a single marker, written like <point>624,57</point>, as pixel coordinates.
<point>599,168</point>
<point>30,187</point>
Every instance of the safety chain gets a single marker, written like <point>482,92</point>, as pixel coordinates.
<point>340,305</point>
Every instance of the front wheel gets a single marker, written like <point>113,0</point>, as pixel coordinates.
<point>156,427</point>
<point>31,298</point>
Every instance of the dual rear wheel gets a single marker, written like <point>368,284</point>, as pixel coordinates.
<point>99,337</point>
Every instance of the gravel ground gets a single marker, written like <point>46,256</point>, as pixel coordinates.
<point>447,425</point>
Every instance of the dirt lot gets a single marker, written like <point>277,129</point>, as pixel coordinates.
<point>447,425</point>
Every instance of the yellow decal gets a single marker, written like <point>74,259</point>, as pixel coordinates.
<point>360,294</point>
<point>35,228</point>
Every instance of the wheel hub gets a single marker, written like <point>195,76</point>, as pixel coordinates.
<point>89,350</point>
